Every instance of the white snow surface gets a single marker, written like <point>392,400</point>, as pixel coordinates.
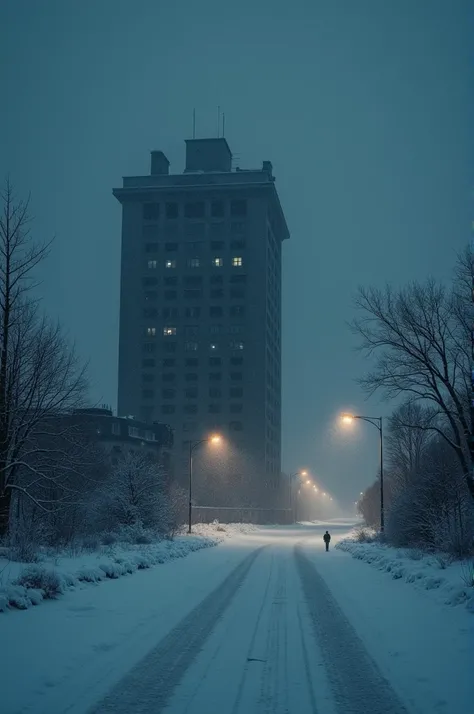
<point>447,580</point>
<point>266,622</point>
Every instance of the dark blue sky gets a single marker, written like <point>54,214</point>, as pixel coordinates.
<point>362,106</point>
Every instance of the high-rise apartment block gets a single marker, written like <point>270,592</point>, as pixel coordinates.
<point>200,307</point>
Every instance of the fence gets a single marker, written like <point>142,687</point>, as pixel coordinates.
<point>227,514</point>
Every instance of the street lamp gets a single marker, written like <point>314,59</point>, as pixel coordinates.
<point>214,439</point>
<point>378,423</point>
<point>302,473</point>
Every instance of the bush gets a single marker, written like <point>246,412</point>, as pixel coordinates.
<point>467,573</point>
<point>38,578</point>
<point>109,538</point>
<point>364,535</point>
<point>91,543</point>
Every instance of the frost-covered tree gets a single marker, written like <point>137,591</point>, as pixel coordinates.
<point>40,376</point>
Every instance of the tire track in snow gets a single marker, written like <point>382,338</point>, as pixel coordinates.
<point>150,684</point>
<point>357,684</point>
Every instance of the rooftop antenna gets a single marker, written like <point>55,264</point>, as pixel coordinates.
<point>194,123</point>
<point>223,124</point>
<point>218,119</point>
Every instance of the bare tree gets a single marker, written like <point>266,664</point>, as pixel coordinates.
<point>406,441</point>
<point>40,376</point>
<point>420,337</point>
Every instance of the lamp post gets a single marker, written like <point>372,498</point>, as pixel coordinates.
<point>215,439</point>
<point>290,492</point>
<point>378,423</point>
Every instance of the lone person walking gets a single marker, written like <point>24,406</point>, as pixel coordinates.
<point>326,539</point>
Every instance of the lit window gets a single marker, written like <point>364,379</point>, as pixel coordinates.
<point>169,331</point>
<point>213,346</point>
<point>236,345</point>
<point>193,263</point>
<point>152,264</point>
<point>190,346</point>
<point>170,264</point>
<point>151,331</point>
<point>237,261</point>
<point>217,262</point>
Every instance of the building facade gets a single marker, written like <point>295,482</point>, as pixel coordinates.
<point>200,309</point>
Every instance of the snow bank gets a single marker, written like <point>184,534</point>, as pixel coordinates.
<point>449,582</point>
<point>223,530</point>
<point>22,587</point>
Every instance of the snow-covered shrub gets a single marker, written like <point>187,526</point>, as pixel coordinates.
<point>112,570</point>
<point>89,574</point>
<point>364,535</point>
<point>467,573</point>
<point>40,578</point>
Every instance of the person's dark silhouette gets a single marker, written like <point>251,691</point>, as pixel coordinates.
<point>326,539</point>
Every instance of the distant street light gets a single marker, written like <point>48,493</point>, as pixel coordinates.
<point>378,423</point>
<point>213,439</point>
<point>302,474</point>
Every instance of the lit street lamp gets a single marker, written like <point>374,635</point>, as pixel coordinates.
<point>214,439</point>
<point>377,422</point>
<point>290,494</point>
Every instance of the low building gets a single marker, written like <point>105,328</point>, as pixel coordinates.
<point>120,434</point>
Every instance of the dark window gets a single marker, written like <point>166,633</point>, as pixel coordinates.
<point>215,393</point>
<point>150,232</point>
<point>148,363</point>
<point>169,346</point>
<point>189,426</point>
<point>236,408</point>
<point>148,393</point>
<point>217,244</point>
<point>169,312</point>
<point>238,208</point>
<point>149,347</point>
<point>193,248</point>
<point>237,293</point>
<point>217,293</point>
<point>216,279</point>
<point>151,211</point>
<point>191,377</point>
<point>238,278</point>
<point>191,330</point>
<point>215,376</point>
<point>150,295</point>
<point>190,408</point>
<point>148,282</point>
<point>215,361</point>
<point>151,247</point>
<point>237,310</point>
<point>192,362</point>
<point>215,311</point>
<point>236,376</point>
<point>237,229</point>
<point>236,426</point>
<point>191,346</point>
<point>217,209</point>
<point>168,408</point>
<point>171,210</point>
<point>191,393</point>
<point>170,294</point>
<point>236,392</point>
<point>237,244</point>
<point>170,247</point>
<point>168,393</point>
<point>173,280</point>
<point>236,361</point>
<point>150,312</point>
<point>191,294</point>
<point>169,362</point>
<point>169,377</point>
<point>215,408</point>
<point>193,280</point>
<point>193,312</point>
<point>147,377</point>
<point>194,210</point>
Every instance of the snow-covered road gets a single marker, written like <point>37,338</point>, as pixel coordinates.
<point>267,622</point>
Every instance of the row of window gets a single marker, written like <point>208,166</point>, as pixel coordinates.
<point>216,262</point>
<point>195,311</point>
<point>194,209</point>
<point>194,346</point>
<point>192,330</point>
<point>194,377</point>
<point>150,362</point>
<point>194,247</point>
<point>197,293</point>
<point>193,409</point>
<point>195,281</point>
<point>214,393</point>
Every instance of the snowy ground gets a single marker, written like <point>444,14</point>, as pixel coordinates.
<point>266,622</point>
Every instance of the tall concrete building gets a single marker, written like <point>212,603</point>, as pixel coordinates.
<point>200,308</point>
